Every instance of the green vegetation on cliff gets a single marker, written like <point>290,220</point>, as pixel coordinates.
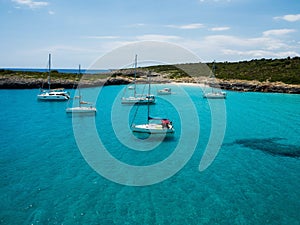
<point>286,70</point>
<point>55,75</point>
<point>36,75</point>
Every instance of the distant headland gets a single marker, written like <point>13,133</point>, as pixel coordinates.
<point>259,75</point>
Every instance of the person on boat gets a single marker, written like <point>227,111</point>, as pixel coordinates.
<point>166,123</point>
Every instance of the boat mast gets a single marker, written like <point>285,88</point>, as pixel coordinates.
<point>49,71</point>
<point>148,105</point>
<point>79,94</point>
<point>214,73</point>
<point>135,65</point>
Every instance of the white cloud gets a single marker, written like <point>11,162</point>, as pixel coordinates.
<point>51,12</point>
<point>101,37</point>
<point>278,32</point>
<point>136,25</point>
<point>289,18</point>
<point>222,40</point>
<point>208,48</point>
<point>219,28</point>
<point>157,37</point>
<point>235,48</point>
<point>220,47</point>
<point>65,48</point>
<point>260,53</point>
<point>187,26</point>
<point>227,41</point>
<point>226,47</point>
<point>30,3</point>
<point>251,53</point>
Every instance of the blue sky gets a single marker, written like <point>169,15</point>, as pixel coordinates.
<point>81,31</point>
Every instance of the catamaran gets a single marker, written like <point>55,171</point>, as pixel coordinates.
<point>137,98</point>
<point>83,107</point>
<point>58,94</point>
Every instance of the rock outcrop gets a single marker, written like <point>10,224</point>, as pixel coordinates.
<point>29,83</point>
<point>255,86</point>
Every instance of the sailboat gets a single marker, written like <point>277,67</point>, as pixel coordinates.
<point>137,98</point>
<point>214,94</point>
<point>83,107</point>
<point>161,126</point>
<point>58,94</point>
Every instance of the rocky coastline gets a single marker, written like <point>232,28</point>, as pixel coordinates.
<point>245,85</point>
<point>30,83</point>
<point>14,82</point>
<point>255,86</point>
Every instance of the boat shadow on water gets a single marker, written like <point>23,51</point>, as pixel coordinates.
<point>270,146</point>
<point>154,137</point>
<point>78,115</point>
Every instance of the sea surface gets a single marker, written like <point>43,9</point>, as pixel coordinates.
<point>55,169</point>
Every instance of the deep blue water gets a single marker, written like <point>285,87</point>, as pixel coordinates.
<point>45,179</point>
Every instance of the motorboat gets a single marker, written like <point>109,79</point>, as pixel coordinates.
<point>54,95</point>
<point>215,95</point>
<point>164,91</point>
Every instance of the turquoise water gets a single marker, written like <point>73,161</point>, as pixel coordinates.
<point>254,179</point>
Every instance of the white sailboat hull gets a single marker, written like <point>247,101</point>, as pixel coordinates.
<point>138,100</point>
<point>152,129</point>
<point>163,93</point>
<point>88,109</point>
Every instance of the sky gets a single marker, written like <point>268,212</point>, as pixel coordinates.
<point>79,32</point>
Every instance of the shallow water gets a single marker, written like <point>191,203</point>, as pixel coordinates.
<point>254,179</point>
